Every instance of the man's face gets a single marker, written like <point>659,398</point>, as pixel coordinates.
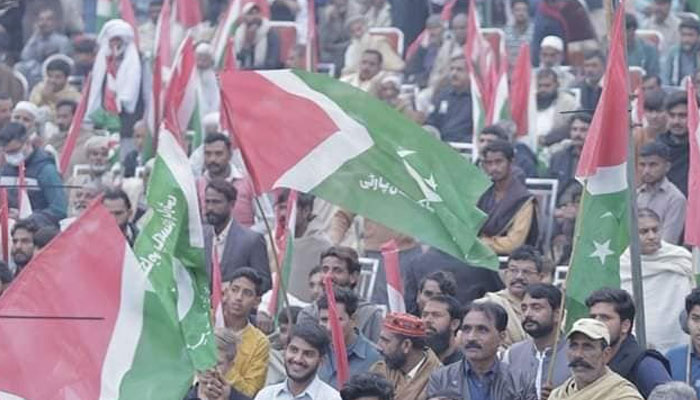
<point>519,274</point>
<point>479,337</point>
<point>239,298</point>
<point>677,120</point>
<point>394,351</point>
<point>217,208</point>
<point>430,288</point>
<point>5,111</point>
<point>550,57</point>
<point>521,13</point>
<point>605,313</point>
<point>46,23</point>
<point>357,29</point>
<point>459,78</point>
<point>253,17</point>
<point>118,209</point>
<point>301,360</point>
<point>346,322</point>
<point>653,168</point>
<point>216,157</point>
<point>689,39</point>
<point>694,326</point>
<point>24,118</point>
<point>593,70</point>
<point>56,79</point>
<point>459,29</point>
<point>98,158</point>
<point>496,165</point>
<point>547,86</point>
<point>369,66</point>
<point>22,247</point>
<point>316,286</point>
<point>388,91</point>
<point>539,319</point>
<point>649,235</point>
<point>660,10</point>
<point>587,358</point>
<point>204,61</point>
<point>439,325</point>
<point>656,119</point>
<point>64,116</point>
<point>338,269</point>
<point>578,132</point>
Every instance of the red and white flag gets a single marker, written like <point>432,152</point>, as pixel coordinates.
<point>523,103</point>
<point>394,286</point>
<point>284,238</point>
<point>5,224</point>
<point>338,340</point>
<point>181,92</point>
<point>74,130</point>
<point>692,218</point>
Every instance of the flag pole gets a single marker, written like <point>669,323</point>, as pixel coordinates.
<point>635,257</point>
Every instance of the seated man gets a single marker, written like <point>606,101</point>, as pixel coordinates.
<point>240,297</point>
<point>552,57</point>
<point>343,264</point>
<point>278,341</point>
<point>563,163</point>
<point>97,155</point>
<point>593,70</point>
<point>678,356</point>
<point>420,65</point>
<point>451,110</point>
<point>589,348</point>
<point>510,206</point>
<point>257,46</point>
<point>55,85</point>
<point>667,276</point>
<point>442,315</point>
<point>361,353</point>
<point>640,53</point>
<point>681,61</point>
<point>361,40</point>
<point>524,158</point>
<point>56,143</point>
<point>370,72</point>
<point>658,193</point>
<point>676,138</point>
<point>551,103</point>
<point>655,118</point>
<point>408,362</point>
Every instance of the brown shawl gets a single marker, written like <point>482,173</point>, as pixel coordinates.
<point>413,389</point>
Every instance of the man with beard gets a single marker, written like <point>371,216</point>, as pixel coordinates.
<point>593,70</point>
<point>552,57</point>
<point>308,344</point>
<point>22,243</point>
<point>451,109</point>
<point>257,45</point>
<point>481,375</point>
<point>563,163</point>
<point>407,362</point>
<point>97,154</point>
<point>442,316</point>
<point>684,58</point>
<point>676,138</point>
<point>65,109</point>
<point>524,268</point>
<point>361,353</point>
<point>646,369</point>
<point>232,244</point>
<point>654,120</point>
<point>534,355</point>
<point>370,72</point>
<point>118,204</point>
<point>588,348</point>
<point>551,102</point>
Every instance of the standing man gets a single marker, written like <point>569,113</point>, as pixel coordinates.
<point>664,22</point>
<point>442,316</point>
<point>593,70</point>
<point>481,375</point>
<point>646,369</point>
<point>451,110</point>
<point>676,138</point>
<point>234,245</point>
<point>407,362</point>
<point>588,348</point>
<point>308,344</point>
<point>520,30</point>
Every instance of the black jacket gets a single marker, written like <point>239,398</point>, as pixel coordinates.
<point>680,161</point>
<point>646,369</point>
<point>506,385</point>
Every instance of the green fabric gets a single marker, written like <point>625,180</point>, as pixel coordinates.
<point>101,119</point>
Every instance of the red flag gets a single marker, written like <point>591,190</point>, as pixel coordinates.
<point>181,97</point>
<point>75,127</point>
<point>162,58</point>
<point>230,56</point>
<point>394,286</point>
<point>481,64</point>
<point>4,225</point>
<point>284,237</point>
<point>521,85</point>
<point>127,12</point>
<point>188,13</point>
<point>692,218</point>
<point>338,340</point>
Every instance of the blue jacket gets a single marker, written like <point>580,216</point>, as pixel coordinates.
<point>361,356</point>
<point>677,357</point>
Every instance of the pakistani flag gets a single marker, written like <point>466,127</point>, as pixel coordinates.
<point>602,222</point>
<point>317,135</point>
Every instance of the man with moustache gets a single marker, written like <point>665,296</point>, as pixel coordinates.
<point>551,103</point>
<point>442,315</point>
<point>563,163</point>
<point>588,347</point>
<point>676,138</point>
<point>232,244</point>
<point>302,358</point>
<point>534,355</point>
<point>23,243</point>
<point>481,376</point>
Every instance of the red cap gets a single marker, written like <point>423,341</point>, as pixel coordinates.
<point>405,324</point>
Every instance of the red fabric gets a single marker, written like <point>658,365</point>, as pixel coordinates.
<point>127,12</point>
<point>188,13</point>
<point>390,254</point>
<point>405,324</point>
<point>337,338</point>
<point>215,285</point>
<point>606,143</point>
<point>520,93</point>
<point>230,56</point>
<point>692,218</point>
<point>177,86</point>
<point>21,189</point>
<point>74,130</point>
<point>4,224</point>
<point>481,62</point>
<point>109,100</point>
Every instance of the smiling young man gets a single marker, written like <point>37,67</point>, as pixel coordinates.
<point>308,344</point>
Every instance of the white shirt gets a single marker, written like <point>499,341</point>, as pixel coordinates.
<point>317,390</point>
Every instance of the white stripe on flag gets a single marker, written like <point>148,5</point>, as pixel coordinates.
<point>350,141</point>
<point>608,180</point>
<point>396,301</point>
<point>185,289</point>
<point>127,329</point>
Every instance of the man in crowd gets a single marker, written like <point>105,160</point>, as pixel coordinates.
<point>370,72</point>
<point>361,354</point>
<point>644,368</point>
<point>361,40</point>
<point>442,316</point>
<point>658,193</point>
<point>683,59</point>
<point>303,356</point>
<point>48,200</point>
<point>524,268</point>
<point>520,30</point>
<point>256,44</point>
<point>278,342</point>
<point>552,57</point>
<point>420,66</point>
<point>481,375</point>
<point>523,158</point>
<point>83,56</point>
<point>315,283</point>
<point>119,205</point>
<point>593,70</point>
<point>676,138</point>
<point>664,22</point>
<point>45,42</point>
<point>343,264</point>
<point>551,103</point>
<point>97,155</point>
<point>563,163</point>
<point>240,297</point>
<point>588,349</point>
<point>26,113</point>
<point>23,243</point>
<point>452,45</point>
<point>434,284</point>
<point>407,361</point>
<point>147,30</point>
<point>510,206</point>
<point>55,85</point>
<point>367,386</point>
<point>541,309</point>
<point>640,53</point>
<point>334,37</point>
<point>655,117</point>
<point>667,276</point>
<point>451,110</point>
<point>208,88</point>
<point>226,240</point>
<point>678,356</point>
<point>56,143</point>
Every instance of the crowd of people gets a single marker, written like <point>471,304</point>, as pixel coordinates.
<point>467,332</point>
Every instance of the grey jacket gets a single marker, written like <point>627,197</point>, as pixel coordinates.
<point>506,385</point>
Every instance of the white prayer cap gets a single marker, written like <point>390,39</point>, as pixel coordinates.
<point>554,42</point>
<point>204,48</point>
<point>213,118</point>
<point>28,107</point>
<point>97,141</point>
<point>116,28</point>
<point>392,78</point>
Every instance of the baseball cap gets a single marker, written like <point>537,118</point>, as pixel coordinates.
<point>592,328</point>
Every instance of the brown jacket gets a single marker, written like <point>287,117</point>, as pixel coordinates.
<point>410,389</point>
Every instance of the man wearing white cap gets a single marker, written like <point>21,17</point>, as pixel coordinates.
<point>208,87</point>
<point>97,153</point>
<point>552,56</point>
<point>26,113</point>
<point>588,349</point>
